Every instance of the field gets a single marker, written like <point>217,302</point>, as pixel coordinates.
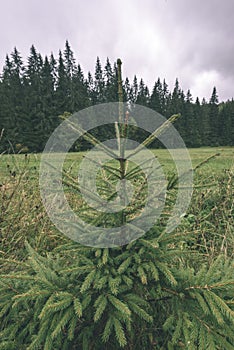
<point>22,215</point>
<point>25,230</point>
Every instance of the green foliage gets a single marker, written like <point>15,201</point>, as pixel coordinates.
<point>34,95</point>
<point>205,318</point>
<point>150,294</point>
<point>161,291</point>
<point>47,305</point>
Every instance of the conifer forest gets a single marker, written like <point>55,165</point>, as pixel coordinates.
<point>34,94</point>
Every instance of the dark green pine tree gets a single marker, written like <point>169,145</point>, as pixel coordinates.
<point>82,99</point>
<point>90,88</point>
<point>215,136</point>
<point>190,129</point>
<point>110,95</point>
<point>49,119</point>
<point>226,123</point>
<point>156,98</point>
<point>111,82</point>
<point>69,60</point>
<point>143,94</point>
<point>7,116</point>
<point>205,123</point>
<point>165,99</point>
<point>177,99</point>
<point>80,90</point>
<point>135,89</point>
<point>12,102</point>
<point>17,84</point>
<point>176,105</point>
<point>128,92</point>
<point>54,70</point>
<point>99,84</point>
<point>61,95</point>
<point>32,125</point>
<point>197,124</point>
<point>70,73</point>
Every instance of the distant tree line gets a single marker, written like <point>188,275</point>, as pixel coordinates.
<point>33,96</point>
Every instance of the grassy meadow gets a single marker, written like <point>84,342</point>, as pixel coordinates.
<point>22,216</point>
<point>162,291</point>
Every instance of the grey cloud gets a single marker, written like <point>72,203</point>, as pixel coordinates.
<point>166,38</point>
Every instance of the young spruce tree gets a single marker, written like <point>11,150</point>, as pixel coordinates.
<point>148,294</point>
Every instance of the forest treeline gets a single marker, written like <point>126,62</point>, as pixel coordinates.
<point>34,95</point>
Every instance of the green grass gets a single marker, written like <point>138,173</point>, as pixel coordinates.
<point>35,284</point>
<point>22,215</point>
<point>225,160</point>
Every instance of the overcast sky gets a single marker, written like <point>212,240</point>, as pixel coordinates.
<point>189,39</point>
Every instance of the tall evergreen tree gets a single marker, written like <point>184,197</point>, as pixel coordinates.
<point>80,90</point>
<point>176,105</point>
<point>165,99</point>
<point>143,94</point>
<point>69,61</point>
<point>12,101</point>
<point>62,95</point>
<point>53,67</point>
<point>190,130</point>
<point>90,87</point>
<point>7,116</point>
<point>99,83</point>
<point>197,124</point>
<point>32,129</point>
<point>48,120</point>
<point>111,82</point>
<point>214,119</point>
<point>226,123</point>
<point>156,99</point>
<point>135,89</point>
<point>70,73</point>
<point>128,91</point>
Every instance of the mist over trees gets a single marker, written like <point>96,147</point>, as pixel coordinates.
<point>34,94</point>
